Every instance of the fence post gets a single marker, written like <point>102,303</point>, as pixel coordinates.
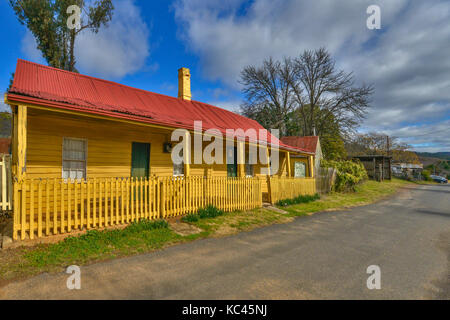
<point>16,212</point>
<point>4,191</point>
<point>162,199</point>
<point>269,189</point>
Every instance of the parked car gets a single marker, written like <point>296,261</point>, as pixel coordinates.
<point>439,179</point>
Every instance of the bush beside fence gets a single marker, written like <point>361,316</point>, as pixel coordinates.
<point>348,173</point>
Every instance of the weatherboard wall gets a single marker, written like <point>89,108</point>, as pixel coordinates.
<point>108,147</point>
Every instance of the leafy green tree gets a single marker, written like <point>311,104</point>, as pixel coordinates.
<point>47,21</point>
<point>331,139</point>
<point>426,174</point>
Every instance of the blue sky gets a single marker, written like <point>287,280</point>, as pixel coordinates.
<point>167,53</point>
<point>147,41</point>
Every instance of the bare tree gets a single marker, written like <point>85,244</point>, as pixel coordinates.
<point>268,93</point>
<point>327,95</point>
<point>299,94</point>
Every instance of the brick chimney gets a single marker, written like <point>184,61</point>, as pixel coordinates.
<point>184,84</point>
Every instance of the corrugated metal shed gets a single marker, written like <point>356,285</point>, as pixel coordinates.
<point>43,85</point>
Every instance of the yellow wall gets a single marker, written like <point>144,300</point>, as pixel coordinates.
<point>108,147</point>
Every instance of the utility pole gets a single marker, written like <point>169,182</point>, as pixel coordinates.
<point>387,145</point>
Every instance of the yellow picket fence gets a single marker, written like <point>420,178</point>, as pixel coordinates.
<point>181,195</point>
<point>281,188</point>
<point>56,206</point>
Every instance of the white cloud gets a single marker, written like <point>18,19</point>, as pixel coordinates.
<point>227,39</point>
<point>4,107</point>
<point>407,60</point>
<point>29,48</point>
<point>425,137</point>
<point>115,51</point>
<point>120,49</point>
<point>231,105</point>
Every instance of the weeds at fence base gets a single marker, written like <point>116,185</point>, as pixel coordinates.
<point>203,213</point>
<point>298,200</point>
<point>137,237</point>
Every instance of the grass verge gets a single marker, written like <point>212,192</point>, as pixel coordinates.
<point>365,193</point>
<point>146,236</point>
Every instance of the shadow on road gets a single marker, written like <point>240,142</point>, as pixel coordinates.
<point>441,190</point>
<point>436,213</point>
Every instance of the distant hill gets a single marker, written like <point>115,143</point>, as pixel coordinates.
<point>440,155</point>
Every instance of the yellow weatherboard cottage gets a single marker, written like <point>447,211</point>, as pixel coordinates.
<point>90,153</point>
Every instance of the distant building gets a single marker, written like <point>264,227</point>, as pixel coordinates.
<point>308,143</point>
<point>407,170</point>
<point>378,167</point>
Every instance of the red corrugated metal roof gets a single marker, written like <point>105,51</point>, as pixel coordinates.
<point>43,85</point>
<point>308,143</point>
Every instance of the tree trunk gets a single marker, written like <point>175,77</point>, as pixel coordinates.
<point>71,49</point>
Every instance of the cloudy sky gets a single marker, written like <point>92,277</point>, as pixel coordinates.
<point>407,60</point>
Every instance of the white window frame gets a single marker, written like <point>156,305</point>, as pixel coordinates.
<point>85,157</point>
<point>305,167</point>
<point>178,174</point>
<point>176,165</point>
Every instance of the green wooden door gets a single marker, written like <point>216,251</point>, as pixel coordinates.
<point>232,162</point>
<point>140,159</point>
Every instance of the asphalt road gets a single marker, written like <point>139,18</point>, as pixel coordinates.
<point>324,256</point>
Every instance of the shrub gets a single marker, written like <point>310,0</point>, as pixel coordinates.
<point>426,174</point>
<point>208,212</point>
<point>297,200</point>
<point>348,174</point>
